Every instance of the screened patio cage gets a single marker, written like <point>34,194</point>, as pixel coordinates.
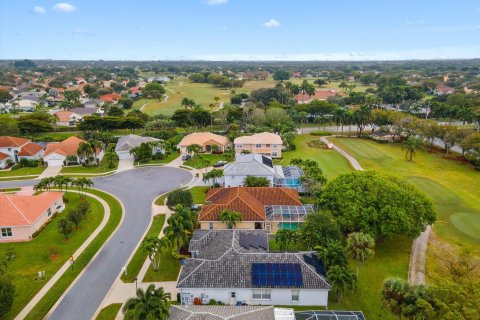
<point>286,217</point>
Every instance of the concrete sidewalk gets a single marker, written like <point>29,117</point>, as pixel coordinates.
<point>66,266</point>
<point>350,159</point>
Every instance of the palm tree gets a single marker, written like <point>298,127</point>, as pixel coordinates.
<point>151,304</point>
<point>85,151</point>
<point>176,232</point>
<point>97,146</point>
<point>360,247</point>
<point>284,237</point>
<point>362,117</point>
<point>393,295</point>
<point>341,279</point>
<point>411,145</point>
<point>339,116</point>
<point>332,254</point>
<point>230,217</point>
<point>194,148</point>
<point>154,246</point>
<point>212,175</point>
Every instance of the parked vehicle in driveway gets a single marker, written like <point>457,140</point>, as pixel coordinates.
<point>186,157</point>
<point>220,164</point>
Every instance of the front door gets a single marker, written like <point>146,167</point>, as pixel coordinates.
<point>208,148</point>
<point>233,297</point>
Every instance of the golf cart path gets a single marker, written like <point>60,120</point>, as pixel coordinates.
<point>416,267</point>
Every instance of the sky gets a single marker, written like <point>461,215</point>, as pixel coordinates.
<point>239,29</point>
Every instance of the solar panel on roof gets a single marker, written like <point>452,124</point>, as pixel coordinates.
<point>277,274</point>
<point>267,161</point>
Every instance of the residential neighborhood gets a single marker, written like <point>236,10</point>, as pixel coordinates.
<point>219,163</point>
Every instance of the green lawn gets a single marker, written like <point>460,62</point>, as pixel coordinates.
<point>391,260</point>
<point>331,162</point>
<point>47,302</point>
<point>102,168</point>
<point>210,159</point>
<point>199,194</point>
<point>47,252</point>
<point>22,172</point>
<point>136,263</point>
<point>10,189</point>
<point>169,158</point>
<point>168,270</point>
<point>176,90</point>
<point>109,312</point>
<point>453,186</point>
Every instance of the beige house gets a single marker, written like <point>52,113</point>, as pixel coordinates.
<point>22,215</point>
<point>265,143</point>
<point>209,142</point>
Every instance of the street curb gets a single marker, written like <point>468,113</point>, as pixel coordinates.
<point>92,259</point>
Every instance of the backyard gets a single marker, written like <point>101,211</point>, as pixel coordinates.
<point>47,252</point>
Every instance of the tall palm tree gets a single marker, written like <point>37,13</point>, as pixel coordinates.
<point>97,146</point>
<point>85,151</point>
<point>176,232</point>
<point>284,237</point>
<point>342,279</point>
<point>154,246</point>
<point>411,146</point>
<point>360,247</point>
<point>393,295</point>
<point>151,304</point>
<point>339,116</point>
<point>230,217</point>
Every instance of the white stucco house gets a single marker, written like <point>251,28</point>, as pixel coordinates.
<point>11,146</point>
<point>252,164</point>
<point>56,153</point>
<point>128,142</point>
<point>234,266</point>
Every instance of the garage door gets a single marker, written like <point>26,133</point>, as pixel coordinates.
<point>124,155</point>
<point>55,163</point>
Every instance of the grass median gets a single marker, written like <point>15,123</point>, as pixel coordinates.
<point>47,302</point>
<point>109,312</point>
<point>136,263</point>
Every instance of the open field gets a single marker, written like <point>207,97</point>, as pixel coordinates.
<point>47,252</point>
<point>176,90</point>
<point>453,186</point>
<point>22,172</point>
<point>47,302</point>
<point>331,162</point>
<point>136,263</point>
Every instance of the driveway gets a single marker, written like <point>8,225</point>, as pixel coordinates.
<point>136,189</point>
<point>125,164</point>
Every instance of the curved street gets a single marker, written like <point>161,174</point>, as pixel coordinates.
<point>136,189</point>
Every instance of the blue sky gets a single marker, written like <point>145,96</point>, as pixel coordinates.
<point>240,29</point>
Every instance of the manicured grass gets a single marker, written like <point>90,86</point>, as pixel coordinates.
<point>19,178</point>
<point>109,312</point>
<point>169,158</point>
<point>22,171</point>
<point>46,303</point>
<point>47,252</point>
<point>168,270</point>
<point>10,189</point>
<point>102,168</point>
<point>331,162</point>
<point>199,194</point>
<point>136,263</point>
<point>453,186</point>
<point>391,259</point>
<point>160,201</point>
<point>202,93</point>
<point>210,159</point>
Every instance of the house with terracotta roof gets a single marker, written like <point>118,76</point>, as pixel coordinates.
<point>266,143</point>
<point>443,89</point>
<point>321,95</point>
<point>31,151</point>
<point>209,142</point>
<point>57,152</point>
<point>22,215</point>
<point>10,147</point>
<point>260,207</point>
<point>110,97</point>
<point>73,116</point>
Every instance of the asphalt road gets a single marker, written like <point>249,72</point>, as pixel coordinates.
<point>136,189</point>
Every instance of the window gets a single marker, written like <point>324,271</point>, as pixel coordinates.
<point>267,145</point>
<point>49,212</point>
<point>6,232</point>
<point>295,295</point>
<point>258,146</point>
<point>210,225</point>
<point>9,149</point>
<point>274,154</point>
<point>261,294</point>
<point>238,146</point>
<point>232,294</point>
<point>274,145</point>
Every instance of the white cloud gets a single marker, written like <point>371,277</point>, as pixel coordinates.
<point>272,23</point>
<point>64,7</point>
<point>215,2</point>
<point>38,9</point>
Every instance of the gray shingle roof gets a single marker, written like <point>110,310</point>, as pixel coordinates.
<point>251,165</point>
<point>130,141</point>
<point>221,312</point>
<point>223,263</point>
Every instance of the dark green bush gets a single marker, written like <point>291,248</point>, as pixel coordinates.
<point>183,197</point>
